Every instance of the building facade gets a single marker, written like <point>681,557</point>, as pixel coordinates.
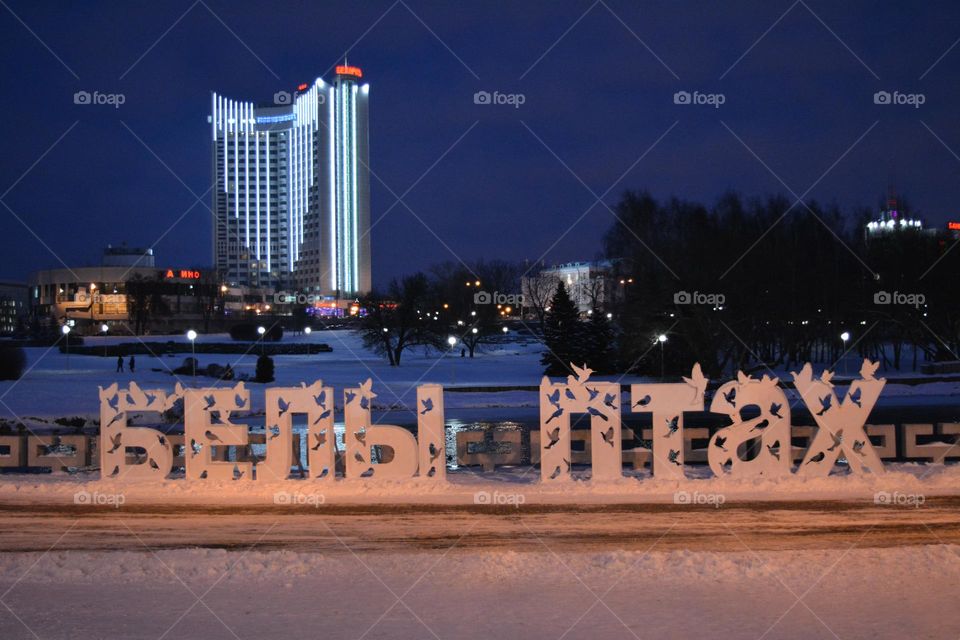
<point>292,189</point>
<point>14,307</point>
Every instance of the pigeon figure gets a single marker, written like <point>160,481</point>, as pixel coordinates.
<point>570,394</point>
<point>151,397</point>
<point>837,440</point>
<point>719,441</point>
<point>361,437</point>
<point>116,417</point>
<point>554,437</point>
<point>283,404</point>
<point>825,403</point>
<point>760,426</point>
<point>427,406</point>
<point>608,399</point>
<point>366,393</point>
<point>434,452</point>
<point>869,369</point>
<point>774,449</point>
<point>203,476</point>
<point>583,373</point>
<point>556,472</point>
<point>673,425</point>
<point>826,377</point>
<point>321,399</point>
<point>237,474</point>
<point>554,398</point>
<point>210,400</point>
<point>642,402</point>
<point>211,436</point>
<point>115,441</point>
<point>858,446</point>
<point>274,431</point>
<point>775,410</point>
<point>696,380</point>
<point>731,396</point>
<point>115,472</point>
<point>321,439</point>
<point>358,457</point>
<point>593,393</point>
<point>240,400</point>
<point>153,464</point>
<point>163,441</point>
<point>555,414</point>
<point>673,455</point>
<point>598,413</point>
<point>855,397</point>
<point>817,458</point>
<point>130,400</point>
<point>322,416</point>
<point>349,395</point>
<point>607,436</point>
<point>114,402</point>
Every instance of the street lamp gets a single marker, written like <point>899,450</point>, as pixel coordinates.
<point>307,330</point>
<point>506,330</point>
<point>65,329</point>
<point>662,338</point>
<point>103,329</point>
<point>261,330</point>
<point>844,337</point>
<point>192,336</point>
<point>452,341</point>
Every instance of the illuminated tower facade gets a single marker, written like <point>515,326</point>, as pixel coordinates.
<point>291,198</point>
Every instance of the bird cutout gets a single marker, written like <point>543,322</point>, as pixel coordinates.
<point>608,399</point>
<point>760,426</point>
<point>644,401</point>
<point>215,417</point>
<point>434,452</point>
<point>673,425</point>
<point>774,449</point>
<point>672,457</point>
<point>130,399</point>
<point>826,377</point>
<point>567,462</point>
<point>153,464</point>
<point>817,458</point>
<point>775,409</point>
<point>321,399</point>
<point>556,472</point>
<point>596,412</point>
<point>211,436</point>
<point>115,441</point>
<point>321,439</point>
<point>427,406</point>
<point>358,457</point>
<point>554,437</point>
<point>350,395</point>
<point>554,398</point>
<point>855,397</point>
<point>210,400</point>
<point>163,441</point>
<point>237,474</point>
<point>240,400</point>
<point>858,446</point>
<point>719,441</point>
<point>116,417</point>
<point>555,414</point>
<point>837,440</point>
<point>869,369</point>
<point>283,404</point>
<point>114,402</point>
<point>825,403</point>
<point>274,431</point>
<point>322,416</point>
<point>731,396</point>
<point>361,437</point>
<point>696,380</point>
<point>195,448</point>
<point>593,393</point>
<point>583,373</point>
<point>366,393</point>
<point>151,398</point>
<point>607,436</point>
<point>203,476</point>
<point>570,394</point>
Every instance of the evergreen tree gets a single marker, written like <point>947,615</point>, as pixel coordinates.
<point>563,334</point>
<point>599,346</point>
<point>264,371</point>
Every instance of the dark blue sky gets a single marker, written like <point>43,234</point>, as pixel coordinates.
<point>596,96</point>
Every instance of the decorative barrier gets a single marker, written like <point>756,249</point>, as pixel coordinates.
<point>760,441</point>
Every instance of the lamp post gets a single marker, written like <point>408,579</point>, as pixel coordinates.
<point>261,331</point>
<point>192,336</point>
<point>843,338</point>
<point>103,330</point>
<point>65,329</point>
<point>662,338</point>
<point>452,341</point>
<point>307,330</point>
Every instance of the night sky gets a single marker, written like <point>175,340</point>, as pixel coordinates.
<point>478,181</point>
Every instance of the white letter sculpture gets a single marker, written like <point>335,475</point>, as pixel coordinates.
<point>667,402</point>
<point>601,401</point>
<point>840,425</point>
<point>202,430</point>
<point>282,404</point>
<point>768,433</point>
<point>115,436</point>
<point>360,436</point>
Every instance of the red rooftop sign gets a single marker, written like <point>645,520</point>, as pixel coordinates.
<point>344,70</point>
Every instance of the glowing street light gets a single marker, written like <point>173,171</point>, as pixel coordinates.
<point>844,337</point>
<point>65,329</point>
<point>261,330</point>
<point>452,341</point>
<point>307,330</point>
<point>192,337</point>
<point>506,330</point>
<point>662,338</point>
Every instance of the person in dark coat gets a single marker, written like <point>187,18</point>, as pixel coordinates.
<point>120,364</point>
<point>133,363</point>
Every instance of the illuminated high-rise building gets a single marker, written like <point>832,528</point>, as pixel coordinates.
<point>291,196</point>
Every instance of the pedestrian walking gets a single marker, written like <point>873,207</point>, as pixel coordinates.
<point>119,364</point>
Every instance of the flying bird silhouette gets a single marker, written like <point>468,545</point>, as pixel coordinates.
<point>151,397</point>
<point>837,440</point>
<point>210,400</point>
<point>321,439</point>
<point>427,405</point>
<point>607,436</point>
<point>869,369</point>
<point>349,395</point>
<point>361,437</point>
<point>673,425</point>
<point>608,399</point>
<point>163,441</point>
<point>283,404</point>
<point>237,474</point>
<point>719,441</point>
<point>775,409</point>
<point>593,393</point>
<point>774,449</point>
<point>114,402</point>
<point>554,398</point>
<point>322,416</point>
<point>817,458</point>
<point>153,464</point>
<point>321,399</point>
<point>673,455</point>
<point>211,436</point>
<point>825,402</point>
<point>115,441</point>
<point>731,396</point>
<point>583,373</point>
<point>274,431</point>
<point>858,446</point>
<point>115,472</point>
<point>239,399</point>
<point>434,452</point>
<point>855,397</point>
<point>554,437</point>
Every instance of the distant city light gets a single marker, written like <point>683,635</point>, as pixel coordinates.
<point>191,335</point>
